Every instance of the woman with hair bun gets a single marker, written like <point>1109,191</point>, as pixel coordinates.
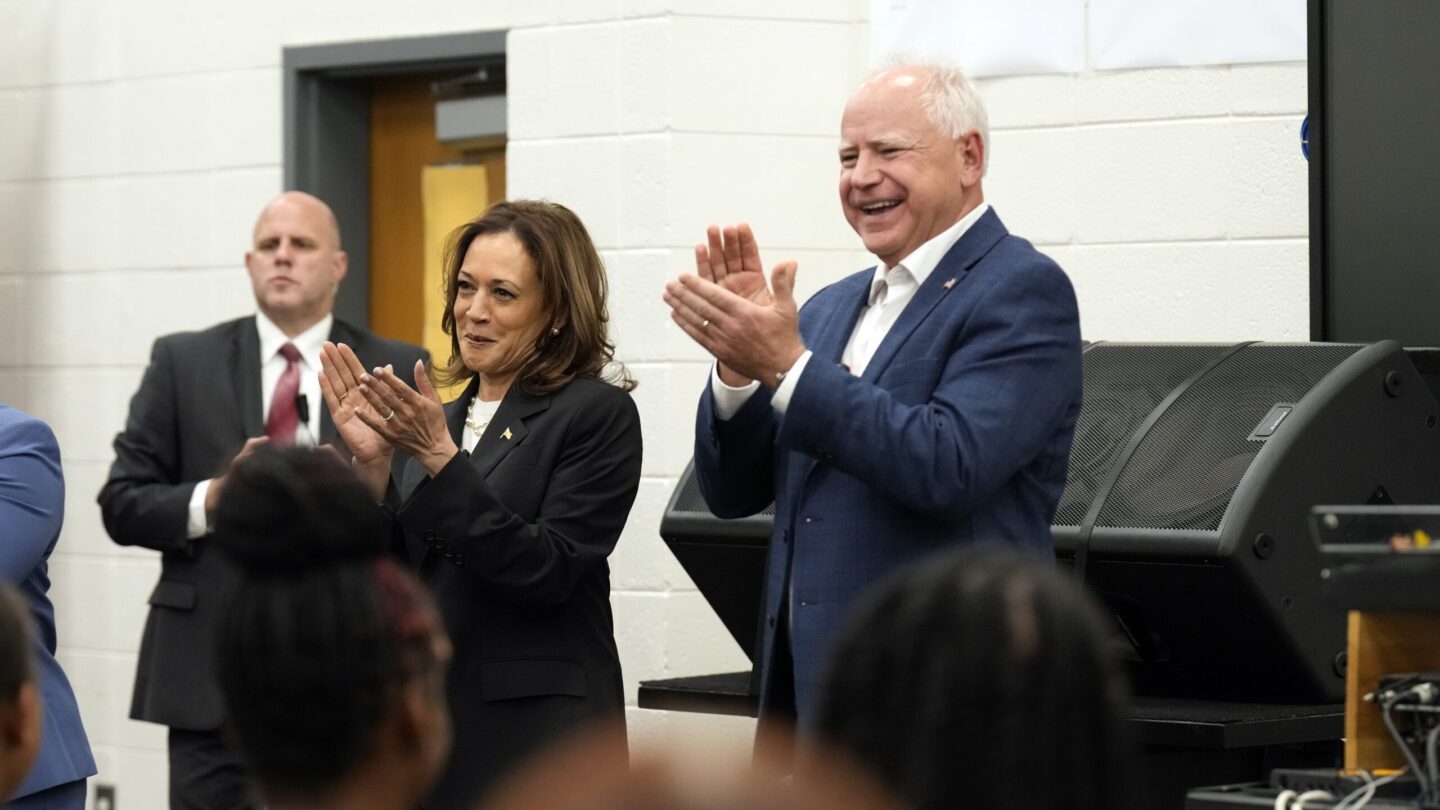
<point>980,678</point>
<point>332,655</point>
<point>517,491</point>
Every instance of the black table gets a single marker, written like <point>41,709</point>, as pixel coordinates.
<point>1185,744</point>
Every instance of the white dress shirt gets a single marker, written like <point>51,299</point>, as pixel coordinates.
<point>272,364</point>
<point>890,290</point>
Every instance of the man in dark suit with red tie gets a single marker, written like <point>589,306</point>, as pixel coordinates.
<point>206,398</point>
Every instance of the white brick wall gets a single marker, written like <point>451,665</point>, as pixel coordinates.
<point>139,140</point>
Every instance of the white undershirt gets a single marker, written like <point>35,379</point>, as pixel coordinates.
<point>310,343</point>
<point>890,290</point>
<point>272,364</point>
<point>482,412</point>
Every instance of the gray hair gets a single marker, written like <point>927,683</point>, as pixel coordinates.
<point>948,97</point>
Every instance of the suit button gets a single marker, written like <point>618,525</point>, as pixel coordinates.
<point>458,559</point>
<point>809,520</point>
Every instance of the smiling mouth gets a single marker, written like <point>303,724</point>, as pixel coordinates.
<point>478,342</point>
<point>877,208</point>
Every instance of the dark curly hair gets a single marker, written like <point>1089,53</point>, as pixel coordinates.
<point>980,679</point>
<point>324,628</point>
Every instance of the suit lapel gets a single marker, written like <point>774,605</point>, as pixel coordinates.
<point>835,329</point>
<point>830,339</point>
<point>506,430</point>
<point>245,368</point>
<point>413,474</point>
<point>947,275</point>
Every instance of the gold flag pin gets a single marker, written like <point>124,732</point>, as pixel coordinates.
<point>506,435</point>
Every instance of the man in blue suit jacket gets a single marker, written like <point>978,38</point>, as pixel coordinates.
<point>924,403</point>
<point>32,507</point>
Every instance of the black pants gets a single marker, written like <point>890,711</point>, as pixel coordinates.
<point>205,774</point>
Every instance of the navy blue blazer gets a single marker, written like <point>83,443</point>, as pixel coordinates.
<point>958,433</point>
<point>32,508</point>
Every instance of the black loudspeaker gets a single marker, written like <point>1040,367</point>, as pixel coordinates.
<point>724,558</point>
<point>1191,478</point>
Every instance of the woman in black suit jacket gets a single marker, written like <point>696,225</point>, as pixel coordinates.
<point>517,491</point>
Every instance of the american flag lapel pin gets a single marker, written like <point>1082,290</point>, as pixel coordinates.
<point>506,434</point>
<point>947,285</point>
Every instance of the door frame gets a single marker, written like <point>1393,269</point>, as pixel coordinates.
<point>327,128</point>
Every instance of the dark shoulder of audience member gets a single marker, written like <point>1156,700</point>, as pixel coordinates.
<point>323,628</point>
<point>15,667</point>
<point>19,696</point>
<point>980,679</point>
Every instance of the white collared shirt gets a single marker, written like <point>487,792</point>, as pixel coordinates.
<point>272,365</point>
<point>890,290</point>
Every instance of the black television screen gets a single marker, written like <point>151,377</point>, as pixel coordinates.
<point>1374,130</point>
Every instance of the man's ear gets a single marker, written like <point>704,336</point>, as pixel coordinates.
<point>342,265</point>
<point>972,156</point>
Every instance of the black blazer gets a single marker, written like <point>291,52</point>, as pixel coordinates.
<point>513,542</point>
<point>198,402</point>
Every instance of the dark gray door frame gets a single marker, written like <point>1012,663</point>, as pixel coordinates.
<point>327,128</point>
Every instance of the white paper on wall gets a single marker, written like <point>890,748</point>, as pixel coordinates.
<point>1151,33</point>
<point>986,38</point>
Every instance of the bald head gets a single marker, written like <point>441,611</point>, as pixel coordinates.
<point>295,262</point>
<point>310,206</point>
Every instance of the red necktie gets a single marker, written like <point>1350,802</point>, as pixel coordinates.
<point>284,418</point>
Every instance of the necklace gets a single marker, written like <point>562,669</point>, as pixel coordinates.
<point>477,426</point>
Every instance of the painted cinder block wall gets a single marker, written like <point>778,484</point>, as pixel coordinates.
<point>139,139</point>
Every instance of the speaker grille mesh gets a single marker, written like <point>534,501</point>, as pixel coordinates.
<point>689,499</point>
<point>1186,470</point>
<point>1123,384</point>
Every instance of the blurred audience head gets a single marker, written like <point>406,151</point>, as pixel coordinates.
<point>331,655</point>
<point>688,771</point>
<point>980,679</point>
<point>19,694</point>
